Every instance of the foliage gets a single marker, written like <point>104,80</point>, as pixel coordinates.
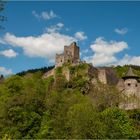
<point>36,108</point>
<point>84,122</point>
<point>44,69</point>
<point>135,117</point>
<point>122,70</point>
<point>118,124</point>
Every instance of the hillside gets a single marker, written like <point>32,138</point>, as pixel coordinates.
<point>55,108</point>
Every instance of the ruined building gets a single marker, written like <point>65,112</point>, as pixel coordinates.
<point>70,54</point>
<point>128,85</point>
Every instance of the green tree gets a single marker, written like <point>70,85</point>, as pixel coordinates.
<point>84,122</point>
<point>118,124</point>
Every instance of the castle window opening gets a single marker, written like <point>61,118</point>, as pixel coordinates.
<point>136,85</point>
<point>129,84</point>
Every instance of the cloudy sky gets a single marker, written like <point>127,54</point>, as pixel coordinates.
<point>108,33</point>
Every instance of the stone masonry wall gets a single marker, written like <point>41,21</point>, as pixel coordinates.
<point>102,76</point>
<point>107,76</point>
<point>59,60</point>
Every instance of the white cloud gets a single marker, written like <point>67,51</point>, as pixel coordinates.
<point>45,45</point>
<point>5,71</point>
<point>60,25</point>
<point>9,53</point>
<point>104,52</point>
<point>80,35</point>
<point>127,59</point>
<point>46,15</point>
<point>122,31</point>
<point>55,28</point>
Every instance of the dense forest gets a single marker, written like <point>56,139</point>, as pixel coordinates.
<point>32,107</point>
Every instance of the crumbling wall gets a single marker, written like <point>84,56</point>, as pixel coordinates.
<point>71,53</point>
<point>66,73</point>
<point>107,76</point>
<point>59,60</point>
<point>111,76</point>
<point>49,73</point>
<point>102,76</point>
<point>67,54</point>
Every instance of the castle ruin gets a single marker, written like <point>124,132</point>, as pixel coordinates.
<point>70,55</point>
<point>129,85</point>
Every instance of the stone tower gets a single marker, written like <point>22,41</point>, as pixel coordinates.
<point>70,54</point>
<point>131,84</point>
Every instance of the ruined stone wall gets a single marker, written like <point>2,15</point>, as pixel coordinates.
<point>102,76</point>
<point>59,60</point>
<point>107,76</point>
<point>67,54</point>
<point>71,53</point>
<point>66,73</point>
<point>75,53</point>
<point>49,73</point>
<point>111,76</point>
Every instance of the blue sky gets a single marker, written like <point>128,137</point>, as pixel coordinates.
<point>106,32</point>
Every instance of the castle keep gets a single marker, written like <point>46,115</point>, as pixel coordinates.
<point>70,54</point>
